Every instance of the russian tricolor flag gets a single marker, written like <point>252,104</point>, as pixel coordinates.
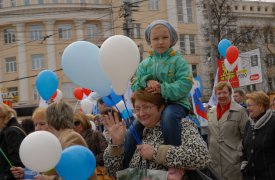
<point>198,108</point>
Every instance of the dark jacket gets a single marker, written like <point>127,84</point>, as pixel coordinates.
<point>259,151</point>
<point>10,140</point>
<point>97,144</point>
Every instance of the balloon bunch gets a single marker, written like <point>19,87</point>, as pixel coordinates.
<point>230,53</point>
<point>41,151</point>
<point>107,71</point>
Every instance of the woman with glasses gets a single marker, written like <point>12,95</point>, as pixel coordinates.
<point>94,139</point>
<point>258,160</point>
<point>191,154</point>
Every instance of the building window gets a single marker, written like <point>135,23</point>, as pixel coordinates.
<point>269,37</point>
<point>192,44</point>
<point>9,36</point>
<point>55,1</point>
<point>229,33</point>
<point>92,31</point>
<point>27,2</point>
<point>65,31</point>
<point>180,11</point>
<point>35,32</point>
<point>189,11</point>
<point>244,8</point>
<point>194,70</point>
<point>187,44</point>
<point>252,87</point>
<point>82,1</point>
<point>35,93</point>
<point>185,11</point>
<point>182,43</point>
<point>153,5</point>
<point>38,61</point>
<point>270,60</point>
<point>270,85</point>
<point>40,1</point>
<point>68,90</point>
<point>69,1</point>
<point>13,3</point>
<point>1,4</point>
<point>137,30</point>
<point>10,64</point>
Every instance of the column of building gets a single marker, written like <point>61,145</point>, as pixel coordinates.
<point>22,65</point>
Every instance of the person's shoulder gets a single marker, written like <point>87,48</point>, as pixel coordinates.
<point>236,107</point>
<point>187,122</point>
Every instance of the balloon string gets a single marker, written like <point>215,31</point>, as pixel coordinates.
<point>2,152</point>
<point>131,126</point>
<point>138,140</point>
<point>75,106</point>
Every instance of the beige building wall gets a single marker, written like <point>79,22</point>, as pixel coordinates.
<point>19,84</point>
<point>107,15</point>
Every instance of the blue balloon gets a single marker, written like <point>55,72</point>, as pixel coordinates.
<point>223,45</point>
<point>77,162</point>
<point>46,84</point>
<point>80,63</point>
<point>112,99</point>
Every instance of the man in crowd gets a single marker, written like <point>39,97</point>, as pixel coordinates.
<point>239,97</point>
<point>226,124</point>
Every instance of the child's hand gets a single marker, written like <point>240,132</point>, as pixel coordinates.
<point>153,86</point>
<point>18,172</point>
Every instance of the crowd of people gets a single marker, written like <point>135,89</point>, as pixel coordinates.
<point>240,142</point>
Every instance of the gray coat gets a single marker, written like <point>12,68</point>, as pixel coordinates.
<point>225,140</point>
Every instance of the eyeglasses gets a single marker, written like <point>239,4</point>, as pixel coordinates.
<point>77,123</point>
<point>145,109</point>
<point>250,105</point>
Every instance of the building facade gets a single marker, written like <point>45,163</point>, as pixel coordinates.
<point>35,33</point>
<point>254,28</point>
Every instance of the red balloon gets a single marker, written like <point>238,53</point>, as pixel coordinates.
<point>54,95</point>
<point>86,91</point>
<point>78,93</point>
<point>232,54</point>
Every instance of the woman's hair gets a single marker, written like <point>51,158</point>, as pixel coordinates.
<point>81,117</point>
<point>6,113</point>
<point>28,125</point>
<point>143,95</point>
<point>171,29</point>
<point>223,84</point>
<point>39,113</point>
<point>260,98</point>
<point>60,116</point>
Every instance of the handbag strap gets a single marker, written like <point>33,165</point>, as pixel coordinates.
<point>20,130</point>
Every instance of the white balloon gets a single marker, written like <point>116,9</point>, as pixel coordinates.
<point>86,105</point>
<point>230,67</point>
<point>119,58</point>
<point>40,151</point>
<point>58,96</point>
